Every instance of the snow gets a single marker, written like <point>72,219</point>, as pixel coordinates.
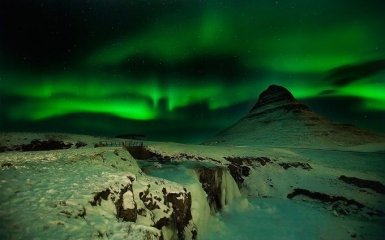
<point>284,219</point>
<point>281,126</point>
<point>200,209</point>
<point>45,193</point>
<point>40,200</point>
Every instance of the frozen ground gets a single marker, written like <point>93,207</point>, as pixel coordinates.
<point>49,194</point>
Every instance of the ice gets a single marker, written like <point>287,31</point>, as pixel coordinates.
<point>230,190</point>
<point>274,219</point>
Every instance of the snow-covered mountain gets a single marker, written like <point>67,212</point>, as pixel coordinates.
<point>278,119</point>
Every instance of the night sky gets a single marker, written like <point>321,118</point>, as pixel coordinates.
<point>183,70</point>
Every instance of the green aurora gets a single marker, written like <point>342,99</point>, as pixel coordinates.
<point>161,67</point>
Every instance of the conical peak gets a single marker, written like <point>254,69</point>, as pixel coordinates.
<point>274,94</point>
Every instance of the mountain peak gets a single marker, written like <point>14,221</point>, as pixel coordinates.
<point>274,95</point>
<point>275,92</point>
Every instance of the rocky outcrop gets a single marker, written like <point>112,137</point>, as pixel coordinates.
<point>42,145</point>
<point>126,208</point>
<point>39,145</point>
<point>287,165</point>
<point>145,153</point>
<point>181,206</point>
<point>119,198</point>
<point>219,185</point>
<point>240,167</point>
<point>211,180</point>
<point>274,94</point>
<point>140,152</point>
<point>338,204</point>
<point>159,207</point>
<point>362,183</point>
<point>99,196</point>
<point>276,98</point>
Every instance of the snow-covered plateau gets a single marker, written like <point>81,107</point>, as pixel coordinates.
<point>82,189</point>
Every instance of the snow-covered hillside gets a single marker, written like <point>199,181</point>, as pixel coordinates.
<point>189,192</point>
<point>279,120</point>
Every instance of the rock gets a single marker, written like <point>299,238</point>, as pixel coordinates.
<point>6,165</point>
<point>181,205</point>
<point>37,145</point>
<point>148,200</point>
<point>362,183</point>
<point>163,208</point>
<point>240,167</point>
<point>211,180</point>
<point>126,213</point>
<point>274,95</point>
<point>287,165</point>
<point>325,198</point>
<point>99,196</point>
<point>80,144</point>
<point>339,205</point>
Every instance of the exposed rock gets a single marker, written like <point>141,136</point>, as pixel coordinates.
<point>6,165</point>
<point>194,233</point>
<point>287,165</point>
<point>240,167</point>
<point>140,152</point>
<point>131,205</point>
<point>148,200</point>
<point>338,204</point>
<point>249,160</point>
<point>238,172</point>
<point>181,204</point>
<point>99,196</point>
<point>82,213</point>
<point>123,212</point>
<point>291,107</point>
<point>325,198</point>
<point>164,221</point>
<point>80,144</point>
<point>144,153</point>
<point>37,145</point>
<point>72,211</point>
<point>5,149</point>
<point>362,183</point>
<point>274,94</point>
<point>211,180</point>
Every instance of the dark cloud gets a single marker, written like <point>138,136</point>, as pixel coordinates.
<point>345,75</point>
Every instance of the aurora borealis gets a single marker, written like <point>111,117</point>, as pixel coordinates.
<point>182,70</point>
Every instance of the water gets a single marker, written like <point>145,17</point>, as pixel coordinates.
<point>272,219</point>
<point>257,218</point>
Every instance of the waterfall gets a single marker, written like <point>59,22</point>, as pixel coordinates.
<point>200,208</point>
<point>229,189</point>
<point>212,191</point>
